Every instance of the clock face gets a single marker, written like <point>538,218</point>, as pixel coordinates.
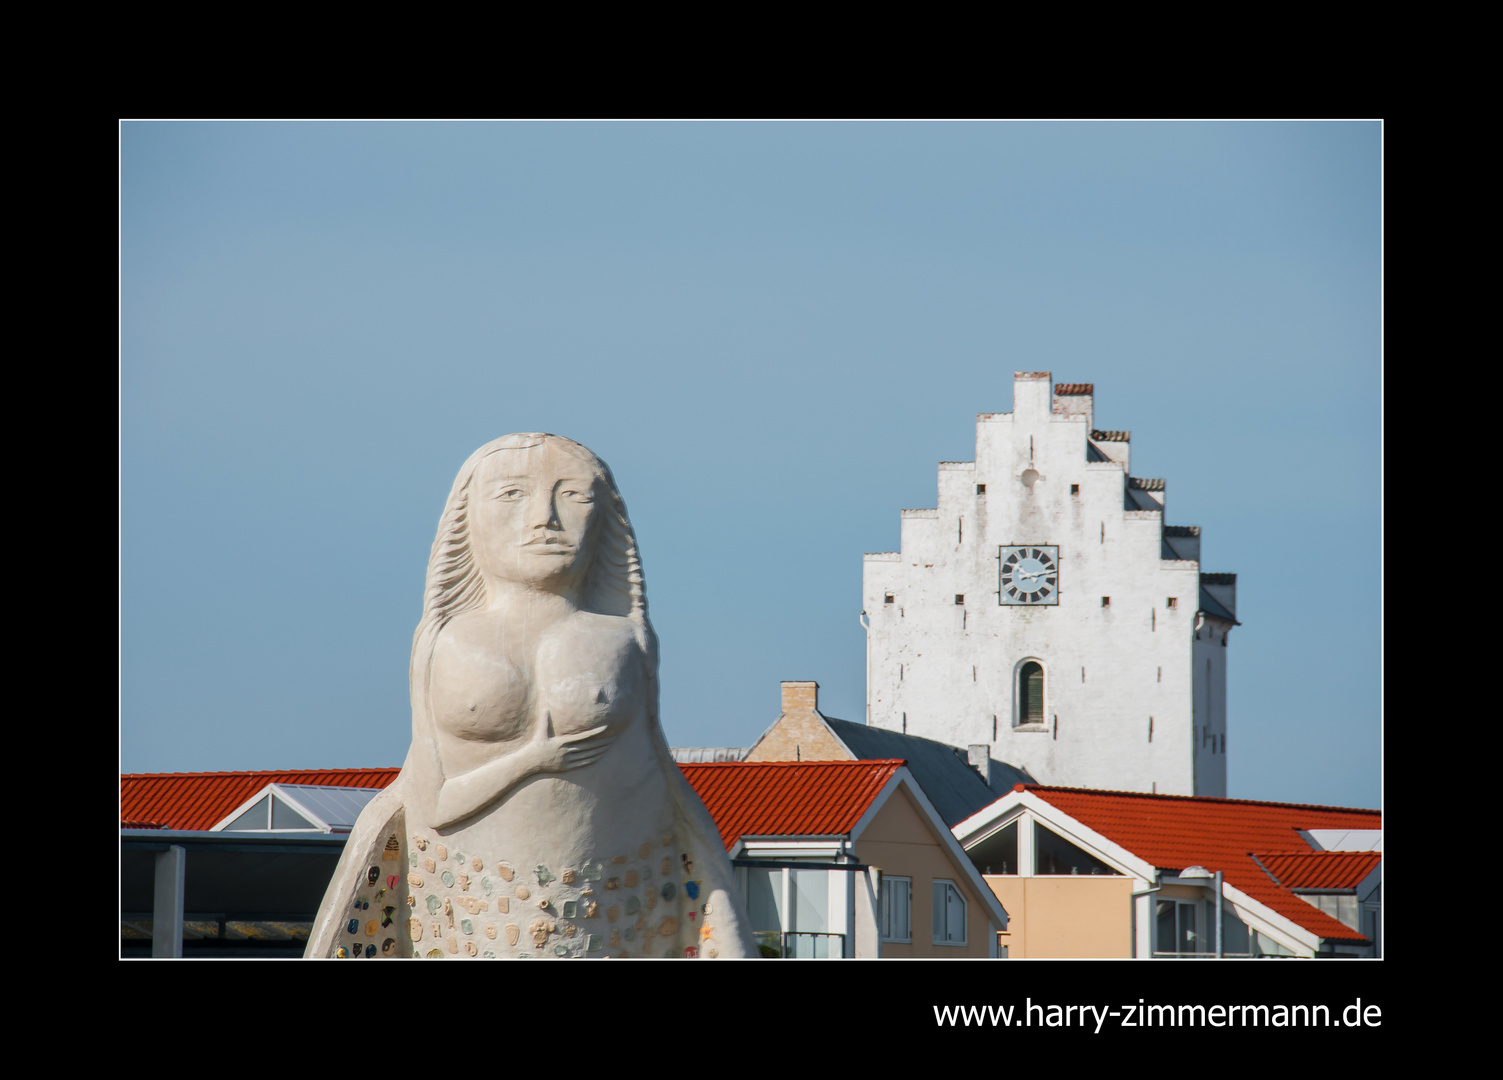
<point>1029,574</point>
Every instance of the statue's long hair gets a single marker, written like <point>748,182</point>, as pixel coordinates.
<point>613,585</point>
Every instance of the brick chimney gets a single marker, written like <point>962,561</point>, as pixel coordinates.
<point>798,696</point>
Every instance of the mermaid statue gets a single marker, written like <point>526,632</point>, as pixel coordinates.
<point>539,812</point>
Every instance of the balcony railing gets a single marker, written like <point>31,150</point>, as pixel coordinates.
<point>800,945</point>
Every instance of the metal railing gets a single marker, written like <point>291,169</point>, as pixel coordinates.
<point>800,945</point>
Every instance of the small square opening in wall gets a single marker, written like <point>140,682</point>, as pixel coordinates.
<point>980,489</point>
<point>1173,602</point>
<point>1106,601</point>
<point>960,598</point>
<point>887,599</point>
<point>1074,489</point>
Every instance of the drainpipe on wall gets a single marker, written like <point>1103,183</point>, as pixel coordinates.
<point>1220,902</point>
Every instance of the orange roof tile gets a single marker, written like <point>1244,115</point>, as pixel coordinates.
<point>1321,869</point>
<point>199,800</point>
<point>787,798</point>
<point>1174,832</point>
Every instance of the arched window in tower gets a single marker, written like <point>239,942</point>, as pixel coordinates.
<point>1031,693</point>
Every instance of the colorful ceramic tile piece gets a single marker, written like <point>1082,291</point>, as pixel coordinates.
<point>651,901</point>
<point>476,865</point>
<point>464,882</point>
<point>503,904</point>
<point>631,879</point>
<point>612,883</point>
<point>415,929</point>
<point>560,949</point>
<point>341,953</point>
<point>667,867</point>
<point>459,856</point>
<point>466,927</point>
<point>489,954</point>
<point>691,951</point>
<point>544,874</point>
<point>469,947</point>
<point>569,877</point>
<point>443,852</point>
<point>505,870</point>
<point>645,850</point>
<point>362,903</point>
<point>513,932</point>
<point>668,890</point>
<point>447,877</point>
<point>706,908</point>
<point>688,863</point>
<point>435,905</point>
<point>372,928</point>
<point>370,951</point>
<point>412,859</point>
<point>391,881</point>
<point>613,913</point>
<point>591,909</point>
<point>435,954</point>
<point>571,908</point>
<point>430,866</point>
<point>487,885</point>
<point>629,933</point>
<point>668,927</point>
<point>523,892</point>
<point>352,927</point>
<point>693,915</point>
<point>453,944</point>
<point>438,929</point>
<point>592,943</point>
<point>641,923</point>
<point>691,889</point>
<point>704,932</point>
<point>393,849</point>
<point>373,875</point>
<point>420,841</point>
<point>633,905</point>
<point>490,932</point>
<point>615,938</point>
<point>411,900</point>
<point>474,905</point>
<point>619,860</point>
<point>387,914</point>
<point>713,953</point>
<point>592,871</point>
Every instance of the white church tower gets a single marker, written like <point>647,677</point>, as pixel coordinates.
<point>1045,609</point>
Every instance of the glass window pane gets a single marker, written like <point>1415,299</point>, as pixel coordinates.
<point>955,915</point>
<point>811,901</point>
<point>998,853</point>
<point>1165,924</point>
<point>253,819</point>
<point>765,900</point>
<point>1188,939</point>
<point>937,910</point>
<point>1053,854</point>
<point>285,817</point>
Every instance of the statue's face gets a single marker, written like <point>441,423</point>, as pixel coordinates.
<point>533,515</point>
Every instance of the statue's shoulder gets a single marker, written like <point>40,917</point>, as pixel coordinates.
<point>614,632</point>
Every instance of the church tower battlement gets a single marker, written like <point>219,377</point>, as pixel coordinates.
<point>1044,608</point>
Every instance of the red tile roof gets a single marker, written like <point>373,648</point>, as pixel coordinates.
<point>1321,869</point>
<point>1174,832</point>
<point>200,800</point>
<point>788,798</point>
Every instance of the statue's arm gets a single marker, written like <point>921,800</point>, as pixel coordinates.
<point>461,796</point>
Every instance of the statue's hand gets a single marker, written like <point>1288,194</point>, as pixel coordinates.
<point>560,753</point>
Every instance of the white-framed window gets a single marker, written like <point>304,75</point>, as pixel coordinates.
<point>949,914</point>
<point>897,909</point>
<point>1029,707</point>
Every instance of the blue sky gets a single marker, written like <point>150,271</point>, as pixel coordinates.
<point>772,332</point>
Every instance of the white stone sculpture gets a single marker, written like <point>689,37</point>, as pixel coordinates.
<point>539,812</point>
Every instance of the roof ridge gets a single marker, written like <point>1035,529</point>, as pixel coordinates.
<point>791,764</point>
<point>1197,798</point>
<point>260,772</point>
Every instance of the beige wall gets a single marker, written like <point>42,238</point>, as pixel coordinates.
<point>1066,916</point>
<point>900,842</point>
